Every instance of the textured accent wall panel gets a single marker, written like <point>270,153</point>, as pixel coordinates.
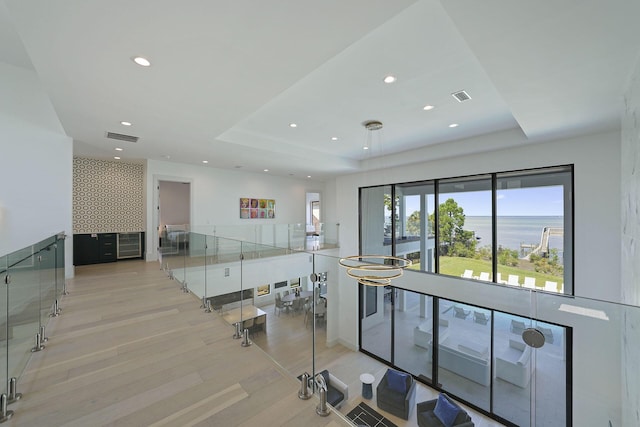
<point>107,196</point>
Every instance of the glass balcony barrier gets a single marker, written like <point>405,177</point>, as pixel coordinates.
<point>33,279</point>
<point>518,355</point>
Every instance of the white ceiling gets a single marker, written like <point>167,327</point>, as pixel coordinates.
<point>227,78</point>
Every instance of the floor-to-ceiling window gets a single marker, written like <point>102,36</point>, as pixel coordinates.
<point>416,239</point>
<point>533,229</point>
<point>480,355</point>
<point>465,207</point>
<point>530,383</point>
<point>511,228</point>
<point>464,352</point>
<point>413,320</point>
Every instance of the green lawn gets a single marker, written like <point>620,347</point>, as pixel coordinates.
<point>455,266</point>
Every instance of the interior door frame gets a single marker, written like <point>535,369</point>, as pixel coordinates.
<point>153,239</point>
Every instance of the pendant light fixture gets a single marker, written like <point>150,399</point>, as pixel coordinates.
<point>374,270</point>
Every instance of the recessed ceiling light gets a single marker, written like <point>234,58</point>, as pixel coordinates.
<point>308,176</point>
<point>293,125</point>
<point>118,149</point>
<point>125,123</point>
<point>365,148</point>
<point>334,138</point>
<point>116,157</point>
<point>266,170</point>
<point>428,107</point>
<point>453,125</point>
<point>390,79</point>
<point>205,161</point>
<point>143,62</point>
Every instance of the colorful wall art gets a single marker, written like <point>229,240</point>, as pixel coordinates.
<point>257,208</point>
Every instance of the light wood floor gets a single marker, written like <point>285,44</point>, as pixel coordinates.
<point>131,349</point>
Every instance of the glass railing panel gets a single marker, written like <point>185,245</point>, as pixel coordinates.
<point>209,277</point>
<point>172,250</point>
<point>326,316</point>
<point>194,262</point>
<point>24,308</point>
<point>555,384</point>
<point>298,236</point>
<point>4,324</point>
<point>60,273</point>
<point>46,260</point>
<point>601,344</point>
<point>222,272</point>
<point>276,296</point>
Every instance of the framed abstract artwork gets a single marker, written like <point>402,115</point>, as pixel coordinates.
<point>251,208</point>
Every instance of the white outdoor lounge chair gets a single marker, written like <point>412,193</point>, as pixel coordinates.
<point>514,280</point>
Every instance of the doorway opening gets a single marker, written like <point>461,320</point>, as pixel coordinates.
<point>313,220</point>
<point>174,215</point>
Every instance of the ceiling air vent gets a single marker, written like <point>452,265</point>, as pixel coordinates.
<point>461,96</point>
<point>122,137</point>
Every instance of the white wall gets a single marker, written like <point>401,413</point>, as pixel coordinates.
<point>36,177</point>
<point>596,160</point>
<point>216,193</point>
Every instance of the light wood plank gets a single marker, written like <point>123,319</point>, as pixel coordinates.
<point>131,349</point>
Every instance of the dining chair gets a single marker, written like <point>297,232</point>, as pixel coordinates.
<point>280,305</point>
<point>259,324</point>
<point>321,311</point>
<point>296,306</point>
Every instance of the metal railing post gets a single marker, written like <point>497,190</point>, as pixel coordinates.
<point>13,391</point>
<point>238,333</point>
<point>246,342</point>
<point>304,393</point>
<point>43,335</point>
<point>39,346</point>
<point>4,414</point>
<point>322,409</point>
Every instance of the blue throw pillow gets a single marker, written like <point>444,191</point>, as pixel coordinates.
<point>397,381</point>
<point>446,411</point>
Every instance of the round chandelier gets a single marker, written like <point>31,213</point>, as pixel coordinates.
<point>367,272</point>
<point>374,270</point>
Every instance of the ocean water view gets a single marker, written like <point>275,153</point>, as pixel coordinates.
<point>515,230</point>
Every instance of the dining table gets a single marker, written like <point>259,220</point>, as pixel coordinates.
<point>245,312</point>
<point>292,296</point>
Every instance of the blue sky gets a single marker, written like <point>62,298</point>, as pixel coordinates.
<point>537,201</point>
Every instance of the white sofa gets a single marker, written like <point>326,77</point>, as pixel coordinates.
<point>469,360</point>
<point>514,365</point>
<point>422,335</point>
